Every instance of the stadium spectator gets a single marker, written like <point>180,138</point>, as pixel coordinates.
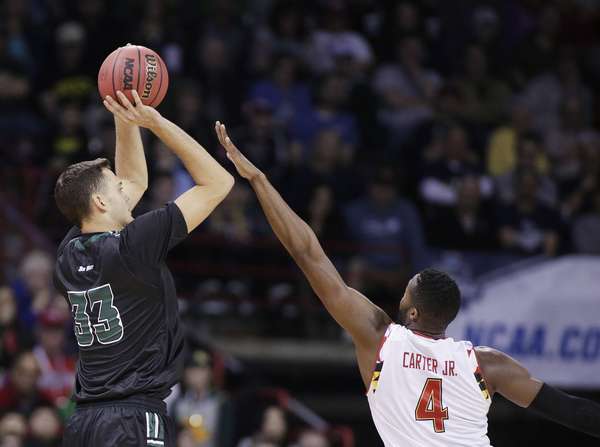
<point>287,95</point>
<point>529,153</point>
<point>212,66</point>
<point>16,112</point>
<point>311,438</point>
<point>264,138</point>
<point>576,185</point>
<point>324,166</point>
<point>272,432</point>
<point>45,428</point>
<point>448,160</point>
<point>467,226</point>
<point>56,366</point>
<point>13,429</point>
<point>324,216</point>
<point>334,38</point>
<point>586,229</point>
<point>388,235</point>
<point>484,99</point>
<point>328,113</point>
<point>407,89</point>
<point>69,80</point>
<point>19,391</point>
<point>14,337</point>
<point>287,30</point>
<point>203,410</point>
<point>33,287</point>
<point>545,94</point>
<point>527,226</point>
<point>501,151</point>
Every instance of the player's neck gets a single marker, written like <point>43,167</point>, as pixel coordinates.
<point>427,332</point>
<point>99,227</point>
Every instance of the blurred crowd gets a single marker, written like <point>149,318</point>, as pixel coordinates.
<point>394,127</point>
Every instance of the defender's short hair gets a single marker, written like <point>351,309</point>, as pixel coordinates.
<point>437,296</point>
<point>75,187</point>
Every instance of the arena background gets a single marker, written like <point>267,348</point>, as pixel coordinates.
<point>460,134</point>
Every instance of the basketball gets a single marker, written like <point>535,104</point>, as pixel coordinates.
<point>134,67</point>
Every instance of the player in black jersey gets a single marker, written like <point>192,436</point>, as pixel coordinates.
<point>111,268</point>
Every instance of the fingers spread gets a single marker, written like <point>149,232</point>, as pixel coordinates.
<point>124,100</point>
<point>117,110</point>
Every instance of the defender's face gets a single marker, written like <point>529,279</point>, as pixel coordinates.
<point>117,202</point>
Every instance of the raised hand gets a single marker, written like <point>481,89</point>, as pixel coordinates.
<point>244,166</point>
<point>136,114</point>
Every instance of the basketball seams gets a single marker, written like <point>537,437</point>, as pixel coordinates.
<point>113,73</point>
<point>139,70</point>
<point>165,81</point>
<point>160,64</point>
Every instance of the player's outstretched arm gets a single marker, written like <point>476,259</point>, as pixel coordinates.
<point>130,160</point>
<point>508,377</point>
<point>353,311</point>
<point>213,182</point>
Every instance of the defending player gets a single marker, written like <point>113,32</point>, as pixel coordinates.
<point>111,268</point>
<point>423,389</point>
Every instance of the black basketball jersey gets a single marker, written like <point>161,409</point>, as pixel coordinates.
<point>123,302</point>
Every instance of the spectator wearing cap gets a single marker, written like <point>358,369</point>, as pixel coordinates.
<point>57,368</point>
<point>203,411</point>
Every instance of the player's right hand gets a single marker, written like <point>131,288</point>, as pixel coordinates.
<point>244,166</point>
<point>136,114</point>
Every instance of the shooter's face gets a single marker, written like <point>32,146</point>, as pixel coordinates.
<point>116,202</point>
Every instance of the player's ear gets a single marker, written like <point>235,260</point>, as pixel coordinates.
<point>413,314</point>
<point>99,202</point>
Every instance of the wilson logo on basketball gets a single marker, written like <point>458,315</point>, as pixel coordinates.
<point>151,73</point>
<point>128,74</point>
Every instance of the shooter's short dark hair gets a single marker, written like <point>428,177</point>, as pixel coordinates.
<point>75,187</point>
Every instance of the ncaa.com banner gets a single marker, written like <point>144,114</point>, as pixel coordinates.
<point>547,316</point>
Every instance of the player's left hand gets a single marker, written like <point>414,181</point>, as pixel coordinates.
<point>136,114</point>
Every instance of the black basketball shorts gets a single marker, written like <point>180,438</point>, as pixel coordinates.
<point>129,423</point>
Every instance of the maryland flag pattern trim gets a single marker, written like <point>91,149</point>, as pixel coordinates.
<point>376,374</point>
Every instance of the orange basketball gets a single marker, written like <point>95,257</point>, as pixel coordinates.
<point>134,67</point>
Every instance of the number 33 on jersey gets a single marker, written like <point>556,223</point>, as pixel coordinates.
<point>95,316</point>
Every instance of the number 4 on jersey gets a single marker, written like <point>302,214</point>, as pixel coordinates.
<point>109,328</point>
<point>430,408</point>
